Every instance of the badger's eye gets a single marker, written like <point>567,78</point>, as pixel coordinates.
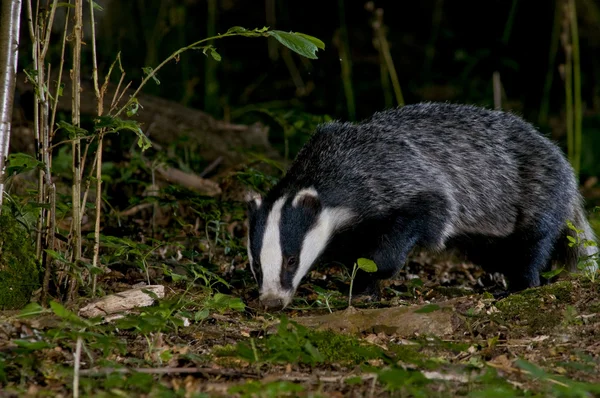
<point>291,262</point>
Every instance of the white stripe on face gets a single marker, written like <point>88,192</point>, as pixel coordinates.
<point>270,253</point>
<point>250,259</point>
<point>329,221</point>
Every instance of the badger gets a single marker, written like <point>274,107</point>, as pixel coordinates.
<point>429,175</point>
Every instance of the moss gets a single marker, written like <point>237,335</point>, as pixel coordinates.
<point>19,272</point>
<point>340,348</point>
<point>297,344</point>
<point>538,308</point>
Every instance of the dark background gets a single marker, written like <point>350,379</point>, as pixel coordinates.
<point>442,51</point>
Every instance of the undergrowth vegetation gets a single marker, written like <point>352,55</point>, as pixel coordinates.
<point>91,214</point>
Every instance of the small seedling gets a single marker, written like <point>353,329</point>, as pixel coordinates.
<point>366,265</point>
<point>324,296</point>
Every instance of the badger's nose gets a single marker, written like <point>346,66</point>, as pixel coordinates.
<point>272,303</point>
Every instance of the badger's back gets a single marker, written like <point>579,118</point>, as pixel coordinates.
<point>494,168</point>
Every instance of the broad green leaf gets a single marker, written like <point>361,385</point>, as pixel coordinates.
<point>427,309</point>
<point>22,162</point>
<point>74,131</point>
<point>313,40</point>
<point>366,265</point>
<point>60,310</point>
<point>298,43</point>
<point>237,304</point>
<point>67,315</point>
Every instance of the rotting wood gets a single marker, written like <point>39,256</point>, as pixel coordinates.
<point>190,181</point>
<point>401,321</point>
<point>123,301</point>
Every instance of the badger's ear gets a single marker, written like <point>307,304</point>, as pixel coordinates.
<point>308,199</point>
<point>253,200</point>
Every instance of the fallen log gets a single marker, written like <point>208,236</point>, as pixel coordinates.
<point>123,301</point>
<point>440,319</point>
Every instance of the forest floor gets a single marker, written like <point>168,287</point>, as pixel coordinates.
<point>208,336</point>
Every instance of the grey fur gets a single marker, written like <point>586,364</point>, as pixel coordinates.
<point>444,172</point>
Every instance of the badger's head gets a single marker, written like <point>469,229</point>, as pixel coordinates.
<point>286,237</point>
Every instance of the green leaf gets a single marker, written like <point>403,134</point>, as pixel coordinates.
<point>114,124</point>
<point>148,71</point>
<point>32,345</point>
<point>73,131</point>
<point>202,314</point>
<point>22,162</point>
<point>236,30</point>
<point>210,49</point>
<point>30,309</point>
<point>298,43</point>
<point>96,6</point>
<point>57,256</point>
<point>313,352</point>
<point>427,309</point>
<point>60,311</point>
<point>133,107</point>
<point>551,274</point>
<point>366,265</point>
<point>313,40</point>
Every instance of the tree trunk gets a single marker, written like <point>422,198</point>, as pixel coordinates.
<point>10,12</point>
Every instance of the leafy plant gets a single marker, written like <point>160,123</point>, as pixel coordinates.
<point>366,265</point>
<point>558,385</point>
<point>324,296</point>
<point>296,344</point>
<point>588,264</point>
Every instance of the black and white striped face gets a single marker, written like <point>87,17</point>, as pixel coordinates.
<point>285,239</point>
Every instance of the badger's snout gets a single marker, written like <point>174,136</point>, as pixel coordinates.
<point>272,303</point>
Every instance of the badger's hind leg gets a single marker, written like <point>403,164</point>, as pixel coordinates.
<point>532,254</point>
<point>422,221</point>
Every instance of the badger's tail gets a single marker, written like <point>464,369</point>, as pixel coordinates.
<point>580,256</point>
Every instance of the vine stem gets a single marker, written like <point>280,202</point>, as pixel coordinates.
<point>192,46</point>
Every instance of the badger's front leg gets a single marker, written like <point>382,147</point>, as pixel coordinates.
<point>390,253</point>
<point>423,222</point>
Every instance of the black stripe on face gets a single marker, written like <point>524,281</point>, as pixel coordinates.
<point>295,224</point>
<point>257,220</point>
